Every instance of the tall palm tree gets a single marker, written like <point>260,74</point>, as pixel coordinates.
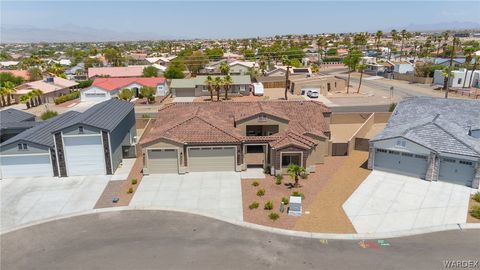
<point>321,44</point>
<point>378,36</point>
<point>476,58</point>
<point>351,61</point>
<point>218,84</point>
<point>25,99</point>
<point>227,83</point>
<point>8,89</point>
<point>37,95</point>
<point>468,52</point>
<point>403,36</point>
<point>445,36</point>
<point>361,68</point>
<point>209,82</point>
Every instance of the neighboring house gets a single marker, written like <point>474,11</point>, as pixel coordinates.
<point>446,61</point>
<point>241,67</point>
<point>197,86</point>
<point>277,71</point>
<point>14,122</point>
<point>73,143</point>
<point>458,78</point>
<point>231,136</point>
<point>232,56</point>
<point>106,88</point>
<point>77,73</point>
<point>403,67</point>
<point>301,71</point>
<point>51,87</point>
<point>9,64</point>
<point>324,83</point>
<point>431,138</point>
<point>164,61</point>
<point>130,71</point>
<point>18,72</point>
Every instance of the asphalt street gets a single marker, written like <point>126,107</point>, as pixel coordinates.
<point>167,240</point>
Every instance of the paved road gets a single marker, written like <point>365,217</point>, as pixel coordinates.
<point>166,240</point>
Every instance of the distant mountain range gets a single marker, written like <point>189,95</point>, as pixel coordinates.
<point>74,33</point>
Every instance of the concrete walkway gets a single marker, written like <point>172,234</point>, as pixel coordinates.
<point>213,193</point>
<point>387,202</point>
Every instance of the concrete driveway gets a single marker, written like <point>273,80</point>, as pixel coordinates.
<point>387,202</point>
<point>213,193</point>
<point>31,199</point>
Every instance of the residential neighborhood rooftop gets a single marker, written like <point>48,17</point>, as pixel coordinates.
<point>111,84</point>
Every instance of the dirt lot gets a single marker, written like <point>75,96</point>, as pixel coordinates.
<point>310,187</point>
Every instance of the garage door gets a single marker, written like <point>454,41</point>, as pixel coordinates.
<point>184,92</point>
<point>163,161</point>
<point>456,171</point>
<point>25,166</point>
<point>95,96</point>
<point>211,159</point>
<point>401,163</point>
<point>84,155</point>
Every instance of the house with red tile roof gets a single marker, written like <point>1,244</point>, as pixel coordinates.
<point>130,71</point>
<point>231,136</point>
<point>107,88</point>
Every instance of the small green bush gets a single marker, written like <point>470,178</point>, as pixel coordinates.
<point>476,197</point>
<point>134,181</point>
<point>67,97</point>
<point>268,205</point>
<point>285,200</point>
<point>85,84</point>
<point>130,190</point>
<point>273,216</point>
<point>298,194</point>
<point>255,183</point>
<point>475,212</point>
<point>278,182</point>
<point>48,114</point>
<point>261,192</point>
<point>279,177</point>
<point>254,205</point>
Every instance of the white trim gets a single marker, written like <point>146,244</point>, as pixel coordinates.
<point>23,155</point>
<point>82,135</point>
<point>291,152</point>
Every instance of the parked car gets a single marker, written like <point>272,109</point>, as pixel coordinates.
<point>312,94</point>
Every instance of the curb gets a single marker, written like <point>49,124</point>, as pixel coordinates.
<point>302,234</point>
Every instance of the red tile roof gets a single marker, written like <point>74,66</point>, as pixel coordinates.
<point>18,73</point>
<point>214,122</point>
<point>111,84</point>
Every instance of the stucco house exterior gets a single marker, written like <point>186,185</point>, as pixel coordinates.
<point>14,122</point>
<point>403,68</point>
<point>107,88</point>
<point>51,87</point>
<point>231,136</point>
<point>458,78</point>
<point>197,86</point>
<point>73,144</point>
<point>434,139</point>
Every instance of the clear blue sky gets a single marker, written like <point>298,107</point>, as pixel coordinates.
<point>237,18</point>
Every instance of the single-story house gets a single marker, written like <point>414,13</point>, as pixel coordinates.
<point>435,139</point>
<point>323,83</point>
<point>403,67</point>
<point>77,72</point>
<point>14,122</point>
<point>197,86</point>
<point>73,143</point>
<point>231,136</point>
<point>458,78</point>
<point>106,88</point>
<point>130,71</point>
<point>241,67</point>
<point>51,87</point>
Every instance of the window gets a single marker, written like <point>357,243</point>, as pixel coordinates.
<point>421,157</point>
<point>466,162</point>
<point>288,159</point>
<point>449,160</point>
<point>401,143</point>
<point>407,155</point>
<point>382,150</point>
<point>80,129</point>
<point>393,152</point>
<point>22,146</point>
<point>459,80</point>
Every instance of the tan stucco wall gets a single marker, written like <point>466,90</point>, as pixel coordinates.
<point>282,125</point>
<point>318,153</point>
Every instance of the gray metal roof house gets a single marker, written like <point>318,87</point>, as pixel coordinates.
<point>13,122</point>
<point>89,143</point>
<point>431,138</point>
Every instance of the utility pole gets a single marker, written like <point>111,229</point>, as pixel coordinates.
<point>450,67</point>
<point>287,82</point>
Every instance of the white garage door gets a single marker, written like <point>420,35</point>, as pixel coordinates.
<point>26,165</point>
<point>162,161</point>
<point>456,171</point>
<point>84,155</point>
<point>401,163</point>
<point>95,96</point>
<point>207,159</point>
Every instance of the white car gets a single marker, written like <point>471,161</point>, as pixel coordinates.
<point>312,94</point>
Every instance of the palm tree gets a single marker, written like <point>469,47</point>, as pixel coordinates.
<point>321,43</point>
<point>37,95</point>
<point>468,52</point>
<point>403,36</point>
<point>295,171</point>
<point>25,99</point>
<point>218,84</point>
<point>445,36</point>
<point>378,36</point>
<point>209,82</point>
<point>8,89</point>
<point>351,61</point>
<point>227,83</point>
<point>477,58</point>
<point>446,75</point>
<point>224,68</point>
<point>361,68</point>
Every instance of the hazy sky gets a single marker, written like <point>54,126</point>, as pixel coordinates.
<point>237,18</point>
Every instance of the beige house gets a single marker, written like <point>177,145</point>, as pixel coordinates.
<point>232,136</point>
<point>51,87</point>
<point>195,87</point>
<point>324,83</point>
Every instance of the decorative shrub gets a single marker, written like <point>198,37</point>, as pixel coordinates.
<point>85,84</point>
<point>134,181</point>
<point>279,177</point>
<point>48,114</point>
<point>475,212</point>
<point>273,216</point>
<point>476,197</point>
<point>278,181</point>
<point>255,183</point>
<point>267,170</point>
<point>261,192</point>
<point>285,200</point>
<point>268,205</point>
<point>298,194</point>
<point>67,97</point>
<point>254,205</point>
<point>130,190</point>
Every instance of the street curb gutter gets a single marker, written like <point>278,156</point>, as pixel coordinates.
<point>302,234</point>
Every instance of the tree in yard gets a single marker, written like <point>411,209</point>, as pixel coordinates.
<point>35,74</point>
<point>361,68</point>
<point>468,52</point>
<point>351,61</point>
<point>218,84</point>
<point>37,96</point>
<point>175,70</point>
<point>403,36</point>
<point>378,36</point>
<point>445,36</point>
<point>224,68</point>
<point>150,72</point>
<point>315,68</point>
<point>148,92</point>
<point>253,72</point>
<point>125,94</point>
<point>477,58</point>
<point>48,114</point>
<point>227,83</point>
<point>446,75</point>
<point>321,45</point>
<point>196,62</point>
<point>114,56</point>
<point>25,99</point>
<point>209,81</point>
<point>9,77</point>
<point>295,171</point>
<point>7,89</point>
